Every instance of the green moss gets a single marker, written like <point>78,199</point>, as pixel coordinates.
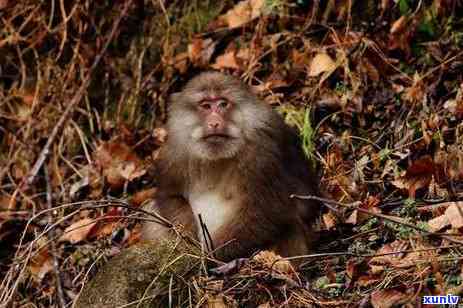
<point>408,209</point>
<point>404,7</point>
<point>146,272</point>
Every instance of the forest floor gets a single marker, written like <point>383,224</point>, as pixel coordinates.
<point>374,87</point>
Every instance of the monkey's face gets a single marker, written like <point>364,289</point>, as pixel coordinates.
<point>213,116</point>
<point>209,128</point>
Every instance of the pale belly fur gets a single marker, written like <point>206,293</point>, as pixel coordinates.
<point>215,211</point>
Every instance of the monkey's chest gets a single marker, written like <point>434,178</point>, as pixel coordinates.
<point>212,209</point>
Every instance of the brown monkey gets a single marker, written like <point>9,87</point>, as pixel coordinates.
<point>232,163</point>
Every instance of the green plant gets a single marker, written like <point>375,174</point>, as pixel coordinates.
<point>300,118</point>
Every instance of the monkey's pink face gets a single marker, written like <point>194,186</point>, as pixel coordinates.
<point>216,135</point>
<point>214,117</point>
<point>208,127</point>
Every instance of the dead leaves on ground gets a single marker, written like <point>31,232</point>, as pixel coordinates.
<point>321,63</point>
<point>388,298</point>
<point>119,163</point>
<point>78,231</point>
<point>42,262</point>
<point>242,13</point>
<point>418,175</point>
<point>452,217</point>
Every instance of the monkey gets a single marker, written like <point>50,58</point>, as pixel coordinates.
<point>227,170</point>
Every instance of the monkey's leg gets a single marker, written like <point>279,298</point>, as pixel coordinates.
<point>298,242</point>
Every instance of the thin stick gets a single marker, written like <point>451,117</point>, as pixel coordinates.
<point>356,255</point>
<point>74,101</point>
<point>356,206</point>
<point>59,287</point>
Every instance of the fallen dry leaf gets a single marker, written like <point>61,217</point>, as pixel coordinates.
<point>216,301</point>
<point>229,268</point>
<point>454,162</point>
<point>387,298</point>
<point>200,51</point>
<point>417,91</point>
<point>270,85</point>
<point>180,62</point>
<point>329,220</point>
<point>78,231</point>
<point>367,280</point>
<point>299,60</point>
<point>41,263</point>
<point>105,230</point>
<point>413,258</point>
<point>399,25</point>
<point>321,63</point>
<point>377,269</point>
<point>129,171</point>
<point>106,224</point>
<point>134,236</point>
<point>244,54</point>
<point>23,112</point>
<point>357,217</point>
<point>7,202</point>
<point>269,258</point>
<point>352,219</point>
<point>453,216</point>
<point>40,266</point>
<point>438,223</point>
<point>227,60</point>
<point>402,31</point>
<point>386,255</point>
<point>419,175</point>
<point>242,13</point>
<point>352,268</point>
<point>118,163</point>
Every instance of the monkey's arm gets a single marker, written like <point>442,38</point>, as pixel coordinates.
<point>176,210</point>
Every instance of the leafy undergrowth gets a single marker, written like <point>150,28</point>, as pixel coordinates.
<point>375,87</point>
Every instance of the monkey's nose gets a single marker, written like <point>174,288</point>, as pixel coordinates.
<point>213,125</point>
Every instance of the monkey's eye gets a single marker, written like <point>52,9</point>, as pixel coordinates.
<point>205,105</point>
<point>223,104</point>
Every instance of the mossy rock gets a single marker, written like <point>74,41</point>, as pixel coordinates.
<point>140,277</point>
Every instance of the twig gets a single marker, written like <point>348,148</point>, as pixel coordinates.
<point>157,218</point>
<point>206,234</point>
<point>59,287</point>
<point>357,255</point>
<point>74,101</point>
<point>356,206</point>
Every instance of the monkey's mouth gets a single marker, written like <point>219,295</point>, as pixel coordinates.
<point>216,137</point>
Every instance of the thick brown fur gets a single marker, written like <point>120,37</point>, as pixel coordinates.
<point>246,182</point>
